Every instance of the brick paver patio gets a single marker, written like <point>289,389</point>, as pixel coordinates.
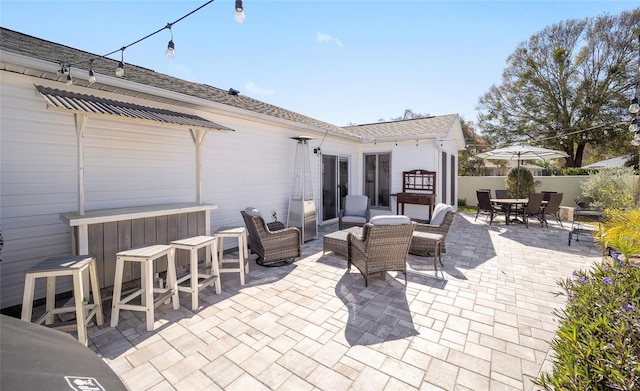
<point>484,323</point>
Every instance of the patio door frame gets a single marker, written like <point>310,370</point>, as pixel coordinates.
<point>336,174</point>
<point>377,179</point>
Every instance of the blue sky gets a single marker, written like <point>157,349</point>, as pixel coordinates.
<point>341,62</point>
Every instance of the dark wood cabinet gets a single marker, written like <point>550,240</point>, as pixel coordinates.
<point>418,188</point>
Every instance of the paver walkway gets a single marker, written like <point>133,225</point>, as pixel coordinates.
<point>483,324</point>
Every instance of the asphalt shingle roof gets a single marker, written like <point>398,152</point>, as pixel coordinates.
<point>26,45</point>
<point>428,126</point>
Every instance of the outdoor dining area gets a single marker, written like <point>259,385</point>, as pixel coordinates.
<point>479,318</point>
<point>519,210</point>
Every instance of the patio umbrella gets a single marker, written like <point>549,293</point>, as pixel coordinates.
<point>522,152</point>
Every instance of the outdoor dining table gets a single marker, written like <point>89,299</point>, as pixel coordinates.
<point>508,203</point>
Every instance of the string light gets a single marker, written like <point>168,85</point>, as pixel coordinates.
<point>120,68</point>
<point>171,48</point>
<point>634,109</point>
<point>92,76</point>
<point>170,53</point>
<point>69,78</point>
<point>239,11</point>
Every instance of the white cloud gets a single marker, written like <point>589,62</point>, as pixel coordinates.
<point>252,87</point>
<point>321,38</point>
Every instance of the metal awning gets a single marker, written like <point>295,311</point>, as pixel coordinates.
<point>91,105</point>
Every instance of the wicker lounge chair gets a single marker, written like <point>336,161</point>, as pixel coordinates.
<point>383,246</point>
<point>272,247</point>
<point>442,218</point>
<point>355,212</point>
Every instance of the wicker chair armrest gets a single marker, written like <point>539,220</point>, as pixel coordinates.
<point>275,226</point>
<point>291,231</point>
<point>355,244</point>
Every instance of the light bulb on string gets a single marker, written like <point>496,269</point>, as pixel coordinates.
<point>635,107</point>
<point>171,47</point>
<point>171,50</point>
<point>239,11</point>
<point>120,68</point>
<point>634,126</point>
<point>92,76</point>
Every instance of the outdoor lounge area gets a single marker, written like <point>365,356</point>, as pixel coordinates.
<point>484,322</point>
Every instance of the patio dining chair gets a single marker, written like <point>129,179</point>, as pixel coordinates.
<point>502,193</point>
<point>552,208</point>
<point>533,208</point>
<point>485,206</point>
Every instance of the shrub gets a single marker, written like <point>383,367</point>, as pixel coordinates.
<point>610,188</point>
<point>577,171</point>
<point>597,346</point>
<point>526,185</point>
<point>620,231</point>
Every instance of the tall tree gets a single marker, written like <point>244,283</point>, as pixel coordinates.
<point>567,88</point>
<point>468,163</point>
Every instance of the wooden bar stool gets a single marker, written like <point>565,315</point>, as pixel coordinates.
<point>145,256</point>
<point>240,234</point>
<point>210,274</point>
<point>73,266</point>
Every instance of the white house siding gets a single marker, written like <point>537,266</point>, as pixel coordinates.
<point>406,156</point>
<point>133,164</point>
<point>126,164</point>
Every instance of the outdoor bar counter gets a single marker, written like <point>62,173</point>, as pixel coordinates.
<point>103,233</point>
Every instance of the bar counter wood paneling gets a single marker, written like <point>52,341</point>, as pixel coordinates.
<point>105,232</point>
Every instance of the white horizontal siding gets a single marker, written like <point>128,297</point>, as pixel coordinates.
<point>125,165</point>
<point>133,164</point>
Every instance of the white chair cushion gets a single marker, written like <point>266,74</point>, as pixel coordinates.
<point>390,220</point>
<point>356,205</point>
<point>354,219</point>
<point>251,211</point>
<point>439,213</point>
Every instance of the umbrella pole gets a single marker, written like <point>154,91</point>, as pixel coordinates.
<point>518,179</point>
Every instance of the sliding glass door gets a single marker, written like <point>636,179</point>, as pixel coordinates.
<point>335,184</point>
<point>377,178</point>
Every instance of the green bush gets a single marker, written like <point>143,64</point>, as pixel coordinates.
<point>577,171</point>
<point>526,186</point>
<point>597,346</point>
<point>610,188</point>
<point>620,231</point>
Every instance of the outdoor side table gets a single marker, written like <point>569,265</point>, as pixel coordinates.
<point>73,266</point>
<point>435,240</point>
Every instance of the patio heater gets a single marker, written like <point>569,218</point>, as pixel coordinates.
<point>302,208</point>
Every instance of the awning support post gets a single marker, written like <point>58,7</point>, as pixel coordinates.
<point>198,137</point>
